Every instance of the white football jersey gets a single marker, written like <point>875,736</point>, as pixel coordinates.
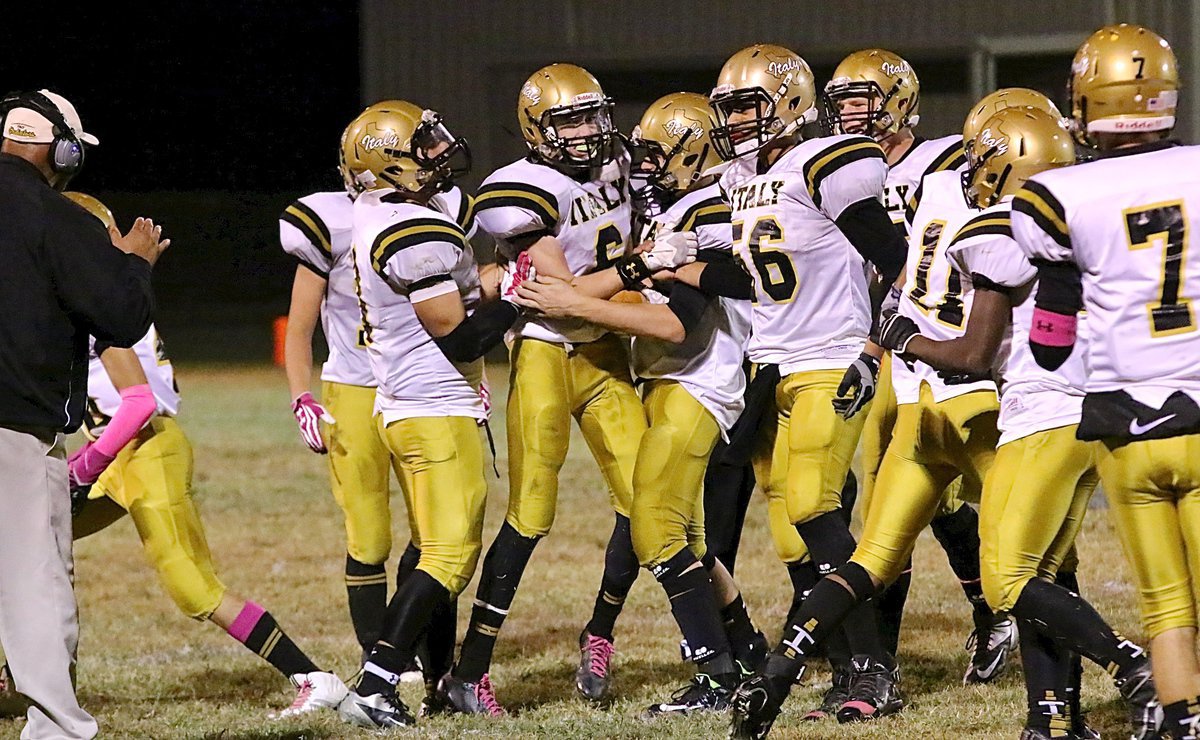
<point>316,230</point>
<point>1032,399</point>
<point>591,220</point>
<point>811,310</point>
<point>406,253</point>
<point>934,294</point>
<point>924,157</point>
<point>1125,221</point>
<point>103,397</point>
<point>708,363</point>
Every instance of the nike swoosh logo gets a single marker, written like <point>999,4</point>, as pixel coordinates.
<point>986,673</point>
<point>1137,429</point>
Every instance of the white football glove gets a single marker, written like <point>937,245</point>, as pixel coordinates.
<point>671,250</point>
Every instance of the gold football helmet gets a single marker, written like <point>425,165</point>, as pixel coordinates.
<point>94,207</point>
<point>1007,97</point>
<point>1124,80</point>
<point>887,86</point>
<point>566,118</point>
<point>763,91</point>
<point>671,147</point>
<point>1012,146</point>
<point>398,145</point>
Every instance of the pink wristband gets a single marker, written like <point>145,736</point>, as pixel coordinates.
<point>1052,329</point>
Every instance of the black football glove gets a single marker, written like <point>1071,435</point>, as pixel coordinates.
<point>79,497</point>
<point>857,387</point>
<point>896,332</point>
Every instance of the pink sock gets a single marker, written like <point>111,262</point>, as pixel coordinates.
<point>246,619</point>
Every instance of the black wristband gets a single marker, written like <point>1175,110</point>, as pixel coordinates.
<point>632,270</point>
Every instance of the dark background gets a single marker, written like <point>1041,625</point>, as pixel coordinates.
<point>210,122</point>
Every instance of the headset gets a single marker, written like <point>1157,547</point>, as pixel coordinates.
<point>66,150</point>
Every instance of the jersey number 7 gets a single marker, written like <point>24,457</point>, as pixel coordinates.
<point>1164,225</point>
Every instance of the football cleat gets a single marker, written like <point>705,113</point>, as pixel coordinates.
<point>317,690</point>
<point>837,695</point>
<point>377,711</point>
<point>990,645</point>
<point>702,694</point>
<point>470,698</point>
<point>874,692</point>
<point>756,704</point>
<point>593,677</point>
<point>1041,733</point>
<point>12,702</point>
<point>1084,731</point>
<point>1145,712</point>
<point>435,703</point>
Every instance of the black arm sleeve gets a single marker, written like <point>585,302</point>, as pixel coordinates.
<point>105,291</point>
<point>1060,287</point>
<point>479,332</point>
<point>688,304</point>
<point>727,280</point>
<point>869,228</point>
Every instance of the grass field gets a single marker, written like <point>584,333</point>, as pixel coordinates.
<point>148,672</point>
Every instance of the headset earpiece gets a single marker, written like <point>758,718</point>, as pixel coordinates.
<point>66,150</point>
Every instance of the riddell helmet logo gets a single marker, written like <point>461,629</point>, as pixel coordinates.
<point>389,140</point>
<point>21,130</point>
<point>531,93</point>
<point>1137,124</point>
<point>678,129</point>
<point>896,69</point>
<point>780,69</point>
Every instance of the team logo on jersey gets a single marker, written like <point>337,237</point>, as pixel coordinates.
<point>990,141</point>
<point>678,129</point>
<point>896,69</point>
<point>782,69</point>
<point>531,93</point>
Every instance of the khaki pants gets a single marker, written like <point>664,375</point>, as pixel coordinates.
<point>39,626</point>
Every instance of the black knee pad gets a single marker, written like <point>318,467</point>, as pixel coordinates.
<point>828,540</point>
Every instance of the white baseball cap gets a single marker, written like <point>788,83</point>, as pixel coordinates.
<point>27,125</point>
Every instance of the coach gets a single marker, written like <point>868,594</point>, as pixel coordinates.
<point>62,278</point>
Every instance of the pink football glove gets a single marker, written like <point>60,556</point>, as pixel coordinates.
<point>485,397</point>
<point>85,465</point>
<point>514,274</point>
<point>308,415</point>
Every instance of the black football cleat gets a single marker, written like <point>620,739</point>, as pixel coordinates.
<point>756,704</point>
<point>377,711</point>
<point>990,644</point>
<point>837,695</point>
<point>874,692</point>
<point>702,694</point>
<point>470,698</point>
<point>1141,699</point>
<point>593,677</point>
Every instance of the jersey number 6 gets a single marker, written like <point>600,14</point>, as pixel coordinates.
<point>775,271</point>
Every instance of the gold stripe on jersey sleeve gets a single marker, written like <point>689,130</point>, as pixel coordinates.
<point>835,157</point>
<point>718,213</point>
<point>308,222</point>
<point>410,233</point>
<point>1035,201</point>
<point>951,159</point>
<point>466,213</point>
<point>522,195</point>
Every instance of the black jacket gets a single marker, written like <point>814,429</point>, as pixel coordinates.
<point>61,279</point>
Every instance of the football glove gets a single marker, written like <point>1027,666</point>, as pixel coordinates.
<point>308,415</point>
<point>513,275</point>
<point>896,332</point>
<point>857,387</point>
<point>85,465</point>
<point>670,251</point>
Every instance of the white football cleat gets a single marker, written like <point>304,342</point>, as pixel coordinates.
<point>318,690</point>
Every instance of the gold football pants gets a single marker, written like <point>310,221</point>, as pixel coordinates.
<point>1034,500</point>
<point>810,448</point>
<point>933,443</point>
<point>358,471</point>
<point>548,384</point>
<point>877,434</point>
<point>151,478</point>
<point>668,502</point>
<point>439,463</point>
<point>1153,490</point>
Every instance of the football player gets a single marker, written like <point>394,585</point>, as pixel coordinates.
<point>1028,522</point>
<point>688,351</point>
<point>1110,236</point>
<point>315,230</point>
<point>566,205</point>
<point>419,289</point>
<point>877,93</point>
<point>137,460</point>
<point>811,207</point>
